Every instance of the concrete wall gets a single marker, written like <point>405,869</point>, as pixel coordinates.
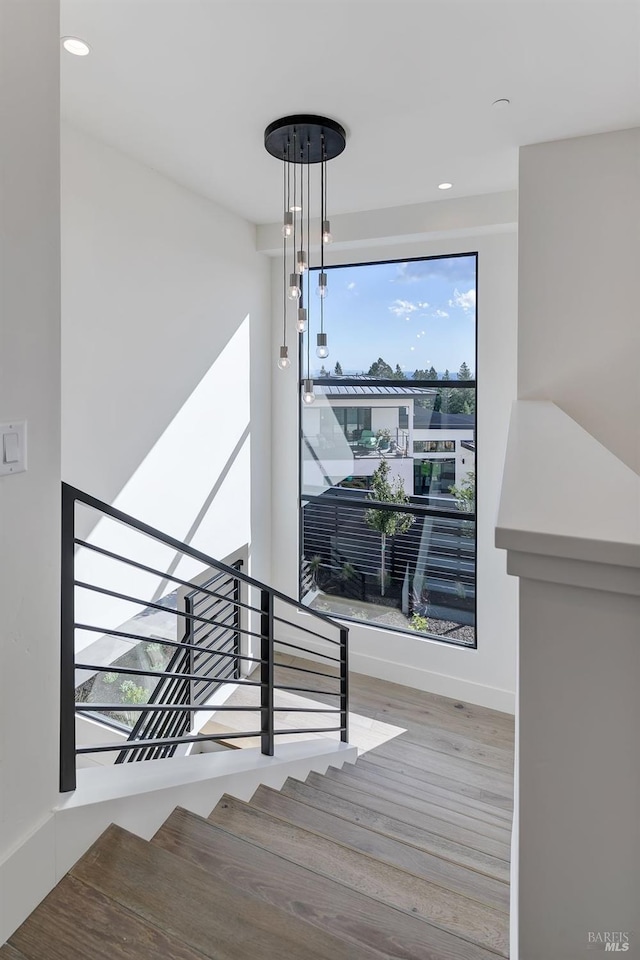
<point>166,374</point>
<point>29,389</point>
<point>579,335</point>
<point>486,675</point>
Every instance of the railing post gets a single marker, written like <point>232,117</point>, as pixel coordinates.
<point>237,596</point>
<point>67,644</point>
<point>344,684</point>
<point>266,671</point>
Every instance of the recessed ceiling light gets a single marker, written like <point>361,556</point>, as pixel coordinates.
<point>76,46</point>
<point>445,186</point>
<point>501,103</point>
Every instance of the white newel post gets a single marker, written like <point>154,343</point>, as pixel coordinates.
<point>570,522</point>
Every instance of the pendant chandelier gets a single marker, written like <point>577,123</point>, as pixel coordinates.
<point>301,142</point>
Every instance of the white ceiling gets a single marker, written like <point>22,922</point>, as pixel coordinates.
<point>187,86</point>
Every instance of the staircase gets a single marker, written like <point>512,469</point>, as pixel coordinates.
<point>404,855</point>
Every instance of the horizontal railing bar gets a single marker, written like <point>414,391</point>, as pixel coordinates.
<point>313,633</point>
<point>133,671</point>
<point>316,673</point>
<point>294,646</point>
<point>157,707</point>
<point>306,710</point>
<point>209,653</point>
<point>219,603</point>
<point>159,573</point>
<point>148,604</point>
<point>164,742</point>
<point>163,640</point>
<point>280,733</point>
<point>323,693</point>
<point>364,504</point>
<point>120,517</point>
<point>226,626</point>
<point>208,640</point>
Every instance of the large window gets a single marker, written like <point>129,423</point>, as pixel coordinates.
<point>388,449</point>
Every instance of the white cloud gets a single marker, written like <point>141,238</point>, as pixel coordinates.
<point>424,305</point>
<point>467,301</point>
<point>439,313</point>
<point>403,308</point>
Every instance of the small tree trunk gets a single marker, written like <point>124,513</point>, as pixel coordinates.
<point>383,537</point>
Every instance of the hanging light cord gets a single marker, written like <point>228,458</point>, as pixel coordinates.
<point>322,218</point>
<point>285,193</point>
<point>295,266</point>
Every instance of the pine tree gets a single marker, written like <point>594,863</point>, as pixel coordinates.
<point>464,373</point>
<point>399,374</point>
<point>432,373</point>
<point>323,371</point>
<point>381,369</point>
<point>338,370</point>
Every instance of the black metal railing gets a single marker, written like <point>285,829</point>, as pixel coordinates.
<point>235,634</point>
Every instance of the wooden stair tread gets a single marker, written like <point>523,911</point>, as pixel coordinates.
<point>450,911</point>
<point>390,850</point>
<point>410,781</point>
<point>7,952</point>
<point>417,771</point>
<point>416,800</point>
<point>76,921</point>
<point>203,911</point>
<point>415,814</point>
<point>356,918</point>
<point>401,830</point>
<point>455,768</point>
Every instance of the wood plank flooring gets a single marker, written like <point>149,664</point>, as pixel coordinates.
<point>403,855</point>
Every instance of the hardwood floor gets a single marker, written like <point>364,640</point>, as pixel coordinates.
<point>402,855</point>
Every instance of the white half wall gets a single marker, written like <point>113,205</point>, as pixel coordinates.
<point>29,390</point>
<point>166,381</point>
<point>579,334</point>
<point>484,676</point>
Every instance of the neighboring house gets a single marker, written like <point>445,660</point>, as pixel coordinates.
<point>350,428</point>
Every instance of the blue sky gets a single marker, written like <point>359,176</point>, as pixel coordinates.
<point>417,313</point>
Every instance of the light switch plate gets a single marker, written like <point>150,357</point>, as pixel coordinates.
<point>13,447</point>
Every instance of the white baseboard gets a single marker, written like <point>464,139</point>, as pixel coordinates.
<point>439,683</point>
<point>140,800</point>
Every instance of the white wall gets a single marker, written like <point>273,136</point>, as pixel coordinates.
<point>579,335</point>
<point>575,858</point>
<point>29,389</point>
<point>166,381</point>
<point>486,675</point>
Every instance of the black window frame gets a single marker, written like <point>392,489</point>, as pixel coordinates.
<point>346,381</point>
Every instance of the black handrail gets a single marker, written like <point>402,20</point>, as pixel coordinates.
<point>78,496</point>
<point>208,655</point>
